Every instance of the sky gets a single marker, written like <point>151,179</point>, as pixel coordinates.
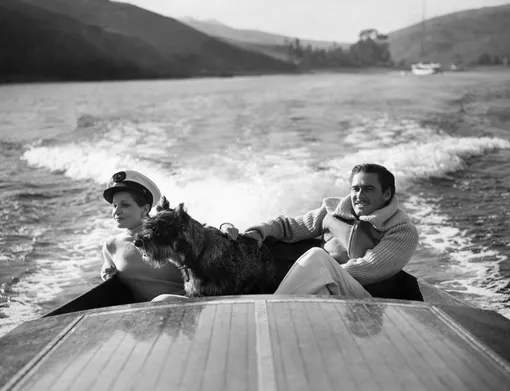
<point>330,20</point>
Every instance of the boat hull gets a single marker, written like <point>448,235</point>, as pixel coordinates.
<point>261,343</point>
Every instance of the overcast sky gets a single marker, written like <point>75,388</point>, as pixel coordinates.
<point>332,20</point>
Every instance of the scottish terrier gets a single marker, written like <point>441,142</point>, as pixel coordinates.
<point>211,264</point>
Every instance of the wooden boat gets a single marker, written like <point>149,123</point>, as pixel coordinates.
<point>410,336</point>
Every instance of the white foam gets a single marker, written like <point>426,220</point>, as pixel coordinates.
<point>248,184</point>
<point>469,268</point>
<point>417,160</point>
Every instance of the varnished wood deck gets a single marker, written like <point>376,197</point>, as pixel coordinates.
<point>258,343</point>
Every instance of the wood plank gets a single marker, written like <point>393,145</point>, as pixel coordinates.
<point>143,360</point>
<point>454,362</point>
<point>366,321</point>
<point>186,353</point>
<point>266,379</point>
<point>24,343</point>
<point>287,356</point>
<point>174,319</point>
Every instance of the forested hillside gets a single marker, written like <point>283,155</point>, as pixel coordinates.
<point>100,40</point>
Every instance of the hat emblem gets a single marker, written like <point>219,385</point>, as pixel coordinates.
<point>119,176</point>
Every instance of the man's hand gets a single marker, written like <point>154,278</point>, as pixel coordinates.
<point>229,230</point>
<point>254,235</point>
<point>232,233</point>
<point>109,272</point>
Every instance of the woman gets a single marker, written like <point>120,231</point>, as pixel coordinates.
<point>132,196</point>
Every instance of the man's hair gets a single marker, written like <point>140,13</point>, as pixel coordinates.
<point>386,178</point>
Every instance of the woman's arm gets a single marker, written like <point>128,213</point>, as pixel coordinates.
<point>108,270</point>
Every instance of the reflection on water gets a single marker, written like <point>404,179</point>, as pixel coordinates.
<point>363,320</point>
<point>175,322</point>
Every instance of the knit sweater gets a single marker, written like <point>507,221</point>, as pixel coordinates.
<point>370,248</point>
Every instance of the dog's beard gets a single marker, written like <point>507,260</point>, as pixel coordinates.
<point>158,255</point>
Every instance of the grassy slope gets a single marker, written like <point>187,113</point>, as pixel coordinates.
<point>467,33</point>
<point>192,50</point>
<point>38,44</point>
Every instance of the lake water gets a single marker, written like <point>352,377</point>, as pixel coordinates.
<point>247,149</point>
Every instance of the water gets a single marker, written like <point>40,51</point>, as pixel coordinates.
<point>247,149</point>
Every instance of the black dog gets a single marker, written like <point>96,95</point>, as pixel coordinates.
<point>210,263</point>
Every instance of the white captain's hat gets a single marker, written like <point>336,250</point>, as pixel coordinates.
<point>132,180</point>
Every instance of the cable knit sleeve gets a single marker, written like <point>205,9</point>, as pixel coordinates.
<point>293,229</point>
<point>388,257</point>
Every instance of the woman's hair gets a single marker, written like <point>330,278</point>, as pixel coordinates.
<point>139,198</point>
<point>386,178</point>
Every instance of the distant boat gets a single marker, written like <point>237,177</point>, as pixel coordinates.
<point>420,68</point>
<point>423,69</point>
<point>456,67</point>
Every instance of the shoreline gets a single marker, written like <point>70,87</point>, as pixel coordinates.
<point>17,80</point>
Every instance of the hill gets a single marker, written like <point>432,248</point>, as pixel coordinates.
<point>220,30</point>
<point>267,43</point>
<point>461,36</point>
<point>54,47</point>
<point>99,39</point>
<point>191,50</point>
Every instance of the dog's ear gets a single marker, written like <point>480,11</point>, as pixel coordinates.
<point>163,204</point>
<point>181,211</point>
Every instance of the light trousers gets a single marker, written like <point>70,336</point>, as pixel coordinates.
<point>318,273</point>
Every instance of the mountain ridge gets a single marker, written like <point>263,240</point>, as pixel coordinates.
<point>151,45</point>
<point>461,36</point>
<point>222,30</point>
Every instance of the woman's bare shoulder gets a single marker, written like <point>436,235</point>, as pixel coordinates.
<point>113,242</point>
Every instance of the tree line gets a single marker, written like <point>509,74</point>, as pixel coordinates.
<point>372,49</point>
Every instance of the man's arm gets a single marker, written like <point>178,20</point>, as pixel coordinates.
<point>387,258</point>
<point>292,229</point>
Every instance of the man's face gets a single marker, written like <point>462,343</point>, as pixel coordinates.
<point>366,194</point>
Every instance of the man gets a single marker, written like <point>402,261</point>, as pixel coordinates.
<point>368,238</point>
